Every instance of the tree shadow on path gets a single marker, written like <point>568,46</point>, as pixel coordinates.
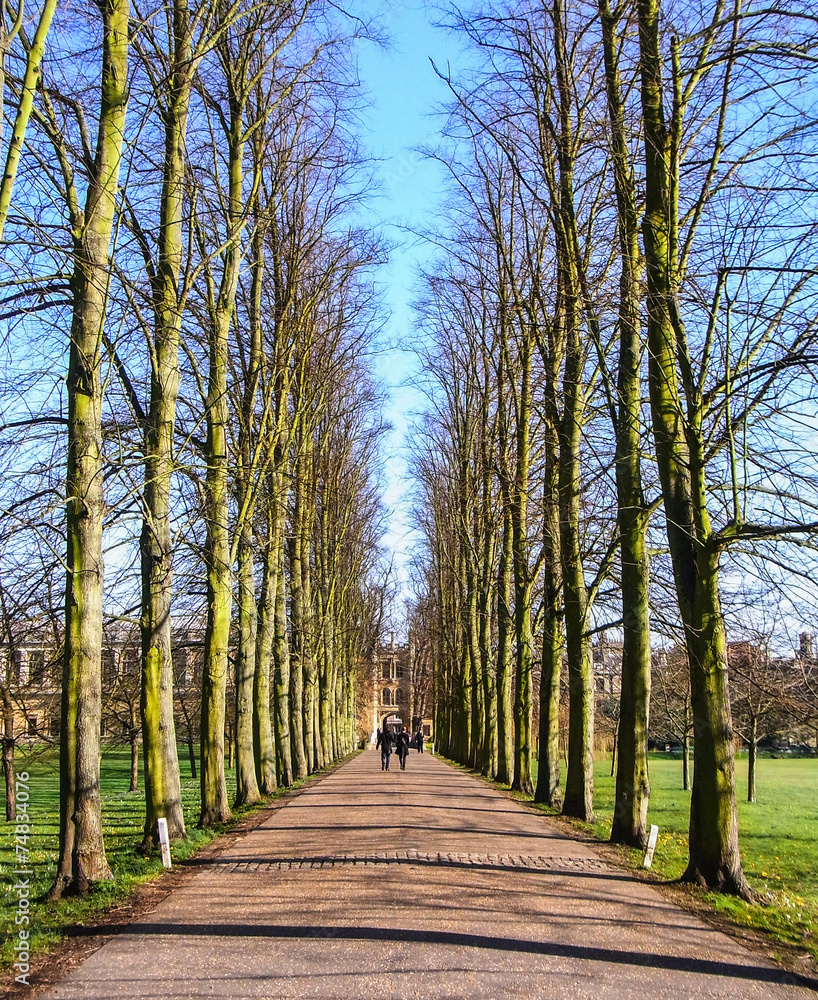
<point>698,966</point>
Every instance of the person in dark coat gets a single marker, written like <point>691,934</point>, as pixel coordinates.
<point>403,747</point>
<point>419,740</point>
<point>385,743</point>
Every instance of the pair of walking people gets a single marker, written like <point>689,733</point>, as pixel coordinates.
<point>401,747</point>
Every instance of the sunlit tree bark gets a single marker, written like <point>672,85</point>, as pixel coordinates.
<point>632,782</point>
<point>714,852</point>
<point>82,860</point>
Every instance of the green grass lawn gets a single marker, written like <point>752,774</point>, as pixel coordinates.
<point>778,835</point>
<point>123,816</point>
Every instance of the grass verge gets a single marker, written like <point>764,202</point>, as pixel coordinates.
<point>123,818</point>
<point>778,836</point>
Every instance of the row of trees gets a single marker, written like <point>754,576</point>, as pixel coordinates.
<point>620,321</point>
<point>182,242</point>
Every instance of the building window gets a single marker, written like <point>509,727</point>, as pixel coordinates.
<point>399,672</point>
<point>54,725</point>
<point>108,667</point>
<point>399,697</point>
<point>32,725</point>
<point>195,666</point>
<point>386,696</point>
<point>130,662</point>
<point>385,672</point>
<point>36,666</point>
<point>55,663</point>
<point>180,657</point>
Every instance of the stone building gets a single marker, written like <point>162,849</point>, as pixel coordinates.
<point>31,675</point>
<point>395,702</point>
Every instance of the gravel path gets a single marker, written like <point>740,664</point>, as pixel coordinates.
<point>424,883</point>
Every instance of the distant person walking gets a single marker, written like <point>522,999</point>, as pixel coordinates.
<point>403,747</point>
<point>419,740</point>
<point>385,743</point>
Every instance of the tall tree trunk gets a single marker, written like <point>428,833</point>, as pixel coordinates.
<point>218,550</point>
<point>263,744</point>
<point>281,648</point>
<point>751,762</point>
<point>522,781</point>
<point>163,796</point>
<point>505,637</point>
<point>191,753</point>
<point>327,673</point>
<point>478,726</point>
<point>505,575</point>
<point>191,746</point>
<point>82,859</point>
<point>548,788</point>
<point>218,556</point>
<point>307,647</point>
<point>133,739</point>
<point>31,78</point>
<point>714,860</point>
<point>443,663</point>
<point>298,736</point>
<point>252,426</point>
<point>463,709</point>
<point>488,764</point>
<point>8,753</point>
<point>247,790</point>
<point>632,784</point>
<point>578,798</point>
<point>579,779</point>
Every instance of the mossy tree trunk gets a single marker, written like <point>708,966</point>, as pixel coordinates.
<point>82,860</point>
<point>8,753</point>
<point>218,550</point>
<point>505,654</point>
<point>579,779</point>
<point>297,735</point>
<point>247,790</point>
<point>548,788</point>
<point>752,758</point>
<point>522,780</point>
<point>505,571</point>
<point>568,338</point>
<point>714,859</point>
<point>252,456</point>
<point>263,742</point>
<point>464,679</point>
<point>632,793</point>
<point>162,784</point>
<point>281,645</point>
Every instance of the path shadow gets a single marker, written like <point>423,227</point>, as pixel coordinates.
<point>653,960</point>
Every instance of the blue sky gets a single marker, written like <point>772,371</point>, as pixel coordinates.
<point>405,91</point>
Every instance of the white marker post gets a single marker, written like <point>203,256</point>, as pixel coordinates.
<point>164,841</point>
<point>652,838</point>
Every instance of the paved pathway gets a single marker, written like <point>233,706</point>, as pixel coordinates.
<point>417,884</point>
